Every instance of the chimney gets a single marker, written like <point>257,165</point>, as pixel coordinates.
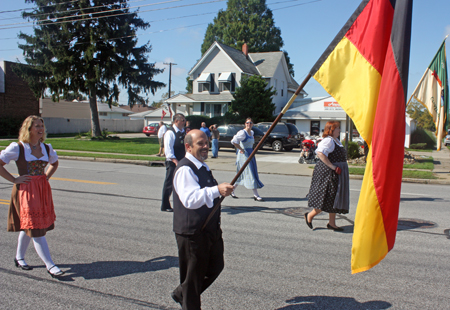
<point>245,49</point>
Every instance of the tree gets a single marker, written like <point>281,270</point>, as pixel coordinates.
<point>421,115</point>
<point>246,21</point>
<point>88,46</point>
<point>252,99</point>
<point>158,104</point>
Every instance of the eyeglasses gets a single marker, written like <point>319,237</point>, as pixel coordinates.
<point>249,122</point>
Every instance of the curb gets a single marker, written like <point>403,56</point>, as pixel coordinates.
<point>161,164</point>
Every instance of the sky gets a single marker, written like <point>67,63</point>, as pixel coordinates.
<point>307,27</point>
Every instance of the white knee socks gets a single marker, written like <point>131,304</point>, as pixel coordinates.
<point>22,245</point>
<point>41,246</point>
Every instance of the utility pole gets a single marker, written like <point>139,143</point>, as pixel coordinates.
<point>170,75</point>
<point>170,82</point>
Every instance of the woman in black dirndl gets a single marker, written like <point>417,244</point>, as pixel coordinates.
<point>329,191</point>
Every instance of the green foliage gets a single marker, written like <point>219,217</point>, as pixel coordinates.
<point>353,150</point>
<point>418,146</point>
<point>245,21</point>
<point>9,127</point>
<point>189,83</point>
<point>421,135</point>
<point>165,96</point>
<point>197,120</point>
<point>87,53</point>
<point>252,99</point>
<point>421,115</point>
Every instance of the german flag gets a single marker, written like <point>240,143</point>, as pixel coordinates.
<point>365,69</point>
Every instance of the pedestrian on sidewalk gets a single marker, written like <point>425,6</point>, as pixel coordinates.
<point>329,190</point>
<point>243,142</point>
<point>162,130</point>
<point>31,210</point>
<point>200,251</point>
<point>215,135</point>
<point>174,151</point>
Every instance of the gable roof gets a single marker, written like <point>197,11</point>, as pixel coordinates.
<point>236,56</point>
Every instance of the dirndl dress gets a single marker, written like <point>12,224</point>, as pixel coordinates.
<point>31,207</point>
<point>249,177</point>
<point>329,191</point>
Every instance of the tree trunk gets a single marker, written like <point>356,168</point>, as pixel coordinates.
<point>95,122</point>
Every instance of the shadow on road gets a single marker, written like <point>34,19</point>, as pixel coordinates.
<point>421,199</point>
<point>111,269</point>
<point>335,303</point>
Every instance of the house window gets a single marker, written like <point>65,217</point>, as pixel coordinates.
<point>211,89</point>
<point>204,81</point>
<point>282,88</point>
<point>217,110</point>
<point>233,82</point>
<point>202,107</point>
<point>103,113</point>
<point>124,114</point>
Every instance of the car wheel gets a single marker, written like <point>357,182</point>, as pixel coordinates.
<point>277,146</point>
<point>288,148</point>
<point>148,135</point>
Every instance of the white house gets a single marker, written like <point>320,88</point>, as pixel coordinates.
<point>217,74</point>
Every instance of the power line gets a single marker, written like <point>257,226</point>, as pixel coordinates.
<point>44,23</point>
<point>92,7</point>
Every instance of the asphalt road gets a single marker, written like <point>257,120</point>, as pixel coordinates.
<point>120,253</point>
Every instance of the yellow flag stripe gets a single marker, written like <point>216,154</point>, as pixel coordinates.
<point>369,237</point>
<point>354,83</point>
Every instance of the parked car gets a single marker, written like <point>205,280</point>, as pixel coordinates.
<point>447,139</point>
<point>293,130</point>
<point>152,129</point>
<point>227,133</point>
<point>281,137</point>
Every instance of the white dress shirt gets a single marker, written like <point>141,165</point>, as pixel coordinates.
<point>326,146</point>
<point>162,130</point>
<point>169,139</point>
<point>12,153</point>
<point>185,183</point>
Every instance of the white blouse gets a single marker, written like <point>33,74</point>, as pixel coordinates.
<point>12,153</point>
<point>240,136</point>
<point>326,146</point>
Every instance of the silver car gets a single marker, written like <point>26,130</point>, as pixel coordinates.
<point>447,139</point>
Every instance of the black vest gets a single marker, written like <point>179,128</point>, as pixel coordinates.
<point>190,221</point>
<point>178,145</point>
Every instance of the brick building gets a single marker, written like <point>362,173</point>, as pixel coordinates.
<point>17,101</point>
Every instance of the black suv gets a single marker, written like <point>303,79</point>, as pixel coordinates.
<point>227,133</point>
<point>284,135</point>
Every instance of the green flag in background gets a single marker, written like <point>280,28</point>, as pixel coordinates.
<point>432,92</point>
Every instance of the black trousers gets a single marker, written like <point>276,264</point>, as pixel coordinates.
<point>201,261</point>
<point>168,185</point>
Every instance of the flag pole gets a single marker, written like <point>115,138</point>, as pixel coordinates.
<point>275,122</point>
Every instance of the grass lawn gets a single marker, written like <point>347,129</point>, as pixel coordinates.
<point>130,157</point>
<point>423,163</point>
<point>418,150</point>
<point>415,174</point>
<point>138,146</point>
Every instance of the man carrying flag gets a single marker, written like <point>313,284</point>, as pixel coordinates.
<point>432,92</point>
<point>365,69</point>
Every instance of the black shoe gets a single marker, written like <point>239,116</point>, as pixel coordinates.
<point>56,274</point>
<point>308,223</point>
<point>177,299</point>
<point>335,228</point>
<point>233,196</point>
<point>258,198</point>
<point>167,210</point>
<point>23,267</point>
